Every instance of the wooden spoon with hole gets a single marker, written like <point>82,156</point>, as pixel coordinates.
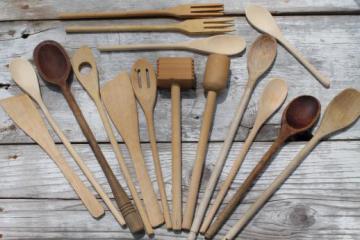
<point>25,77</point>
<point>341,112</point>
<point>83,57</point>
<point>262,20</point>
<point>299,117</point>
<point>143,81</point>
<point>271,99</point>
<point>261,55</point>
<point>54,67</point>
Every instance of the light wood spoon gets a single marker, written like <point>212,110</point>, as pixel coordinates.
<point>143,80</point>
<point>262,20</point>
<point>341,112</point>
<point>221,44</point>
<point>260,58</point>
<point>119,100</point>
<point>83,57</point>
<point>23,112</point>
<point>271,99</point>
<point>54,67</point>
<point>25,77</point>
<point>299,117</point>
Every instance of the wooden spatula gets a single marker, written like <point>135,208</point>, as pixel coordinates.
<point>23,112</point>
<point>119,100</point>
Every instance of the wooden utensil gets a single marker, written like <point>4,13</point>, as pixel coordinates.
<point>119,100</point>
<point>54,67</point>
<point>299,116</point>
<point>215,80</point>
<point>271,99</point>
<point>24,113</point>
<point>341,112</point>
<point>261,19</point>
<point>180,11</point>
<point>176,74</point>
<point>25,77</point>
<point>261,56</point>
<point>143,80</point>
<point>220,44</point>
<point>83,57</point>
<point>192,27</point>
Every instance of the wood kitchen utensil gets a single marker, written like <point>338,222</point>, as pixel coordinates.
<point>299,117</point>
<point>262,20</point>
<point>271,99</point>
<point>23,112</point>
<point>25,77</point>
<point>144,84</point>
<point>176,74</point>
<point>192,26</point>
<point>54,67</point>
<point>341,112</point>
<point>215,80</point>
<point>179,11</point>
<point>261,55</point>
<point>82,58</point>
<point>119,100</point>
<point>220,44</point>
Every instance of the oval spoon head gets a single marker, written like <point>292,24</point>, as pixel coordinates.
<point>25,77</point>
<point>53,63</point>
<point>261,19</point>
<point>300,115</point>
<point>220,44</point>
<point>261,55</point>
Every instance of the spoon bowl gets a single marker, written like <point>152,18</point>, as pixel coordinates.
<point>53,63</point>
<point>262,20</point>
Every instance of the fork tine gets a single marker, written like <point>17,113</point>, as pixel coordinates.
<point>199,10</point>
<point>218,25</point>
<point>207,5</point>
<point>218,20</point>
<point>207,14</point>
<point>222,30</point>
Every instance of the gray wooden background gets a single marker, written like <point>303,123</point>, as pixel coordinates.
<point>321,200</point>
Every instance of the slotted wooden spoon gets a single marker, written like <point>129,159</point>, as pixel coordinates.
<point>143,80</point>
<point>341,112</point>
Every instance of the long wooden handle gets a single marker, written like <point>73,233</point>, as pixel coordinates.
<point>241,192</point>
<point>130,213</point>
<point>232,174</point>
<point>114,14</point>
<point>322,79</point>
<point>220,164</point>
<point>106,122</point>
<point>176,156</point>
<point>122,28</point>
<point>151,204</point>
<point>200,159</point>
<point>147,46</point>
<point>279,180</point>
<point>158,171</point>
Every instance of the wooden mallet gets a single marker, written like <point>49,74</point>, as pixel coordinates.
<point>176,73</point>
<point>215,80</point>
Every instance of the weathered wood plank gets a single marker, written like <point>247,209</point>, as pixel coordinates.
<point>319,201</point>
<point>49,9</point>
<point>330,42</point>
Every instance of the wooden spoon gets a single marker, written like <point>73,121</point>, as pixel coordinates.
<point>83,57</point>
<point>299,116</point>
<point>341,112</point>
<point>54,67</point>
<point>262,20</point>
<point>260,58</point>
<point>24,75</point>
<point>144,84</point>
<point>221,44</point>
<point>272,98</point>
<point>119,100</point>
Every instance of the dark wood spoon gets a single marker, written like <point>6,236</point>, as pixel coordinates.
<point>54,67</point>
<point>298,117</point>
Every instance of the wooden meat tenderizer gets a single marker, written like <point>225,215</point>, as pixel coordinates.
<point>176,73</point>
<point>215,80</point>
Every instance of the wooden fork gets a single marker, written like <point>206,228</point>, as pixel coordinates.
<point>180,11</point>
<point>193,26</point>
